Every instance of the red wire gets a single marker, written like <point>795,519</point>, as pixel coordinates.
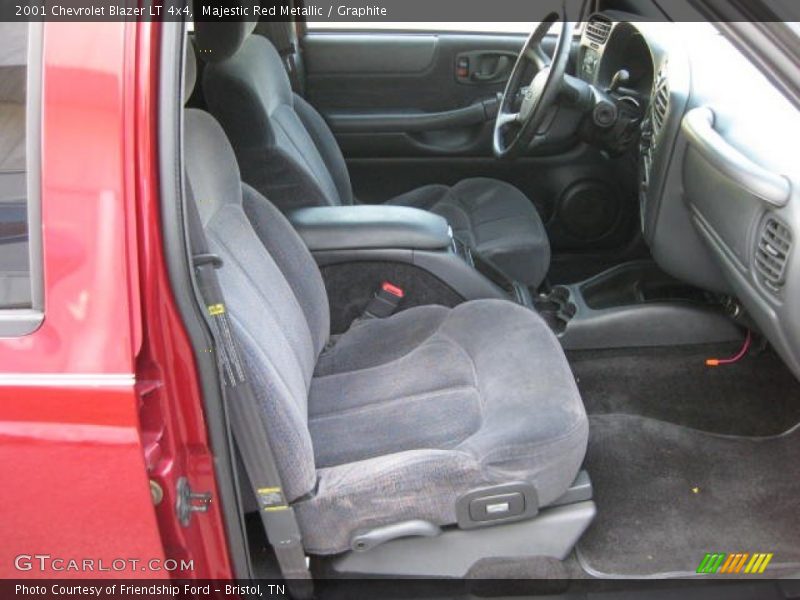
<point>727,361</point>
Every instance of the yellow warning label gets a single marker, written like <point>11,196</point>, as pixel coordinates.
<point>216,309</point>
<point>272,499</point>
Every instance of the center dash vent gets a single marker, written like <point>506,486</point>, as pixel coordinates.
<point>772,253</point>
<point>660,102</point>
<point>597,29</point>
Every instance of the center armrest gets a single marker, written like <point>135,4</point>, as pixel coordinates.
<point>367,226</point>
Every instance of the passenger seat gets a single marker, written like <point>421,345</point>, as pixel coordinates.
<point>403,417</point>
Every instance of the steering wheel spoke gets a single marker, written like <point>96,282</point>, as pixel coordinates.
<point>537,56</point>
<point>505,118</point>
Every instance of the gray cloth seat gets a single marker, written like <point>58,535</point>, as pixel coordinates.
<point>287,152</point>
<point>407,414</point>
<point>397,418</point>
<point>495,219</point>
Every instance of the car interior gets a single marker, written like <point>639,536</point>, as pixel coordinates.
<point>510,305</point>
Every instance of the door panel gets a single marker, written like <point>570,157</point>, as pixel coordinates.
<point>396,71</point>
<point>412,95</point>
<point>388,121</point>
<point>359,54</point>
<point>415,109</point>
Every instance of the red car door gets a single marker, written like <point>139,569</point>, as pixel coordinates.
<point>92,445</point>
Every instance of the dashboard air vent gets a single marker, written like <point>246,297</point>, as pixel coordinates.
<point>597,29</point>
<point>772,253</point>
<point>660,103</point>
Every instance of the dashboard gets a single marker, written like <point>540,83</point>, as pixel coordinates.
<point>719,183</point>
<point>608,47</point>
<point>658,81</point>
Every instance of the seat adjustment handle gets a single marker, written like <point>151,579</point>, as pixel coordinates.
<point>362,542</point>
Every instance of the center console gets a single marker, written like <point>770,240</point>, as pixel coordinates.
<point>635,305</point>
<point>359,247</point>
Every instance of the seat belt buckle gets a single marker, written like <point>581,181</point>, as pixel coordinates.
<point>385,301</point>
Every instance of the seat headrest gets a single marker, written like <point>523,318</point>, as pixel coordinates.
<point>189,71</point>
<point>220,40</point>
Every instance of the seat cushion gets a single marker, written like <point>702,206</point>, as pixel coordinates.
<point>495,219</point>
<point>408,413</point>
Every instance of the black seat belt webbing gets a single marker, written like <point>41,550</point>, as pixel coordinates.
<point>277,515</point>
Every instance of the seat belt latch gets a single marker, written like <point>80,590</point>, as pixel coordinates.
<point>385,301</point>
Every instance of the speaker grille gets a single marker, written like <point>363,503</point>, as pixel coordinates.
<point>589,210</point>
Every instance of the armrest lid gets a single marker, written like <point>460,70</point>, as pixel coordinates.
<point>368,226</point>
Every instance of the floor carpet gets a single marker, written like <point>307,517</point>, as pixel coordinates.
<point>757,396</point>
<point>677,467</point>
<point>667,494</point>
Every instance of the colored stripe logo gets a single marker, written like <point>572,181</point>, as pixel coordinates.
<point>738,563</point>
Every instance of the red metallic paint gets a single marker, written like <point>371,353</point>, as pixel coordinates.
<point>75,478</point>
<point>167,359</point>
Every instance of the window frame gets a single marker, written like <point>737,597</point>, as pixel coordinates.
<point>18,322</point>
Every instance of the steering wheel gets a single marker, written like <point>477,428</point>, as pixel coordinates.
<point>515,128</point>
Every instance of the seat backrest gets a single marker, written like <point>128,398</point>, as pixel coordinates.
<point>273,290</point>
<point>284,147</point>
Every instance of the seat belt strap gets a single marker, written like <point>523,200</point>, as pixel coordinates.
<point>246,420</point>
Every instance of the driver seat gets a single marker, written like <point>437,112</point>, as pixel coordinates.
<point>287,152</point>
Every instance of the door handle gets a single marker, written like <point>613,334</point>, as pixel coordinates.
<point>501,68</point>
<point>484,66</point>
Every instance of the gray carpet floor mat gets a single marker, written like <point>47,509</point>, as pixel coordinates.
<point>667,494</point>
<point>758,396</point>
